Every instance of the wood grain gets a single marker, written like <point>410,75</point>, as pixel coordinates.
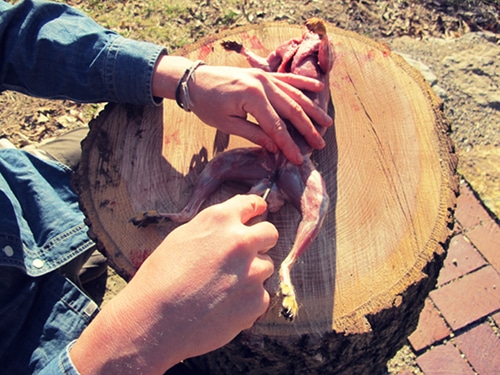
<point>390,171</point>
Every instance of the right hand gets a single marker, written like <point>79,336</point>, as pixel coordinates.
<point>199,289</point>
<point>209,274</point>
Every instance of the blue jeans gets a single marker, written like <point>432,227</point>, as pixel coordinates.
<point>41,229</point>
<point>53,51</point>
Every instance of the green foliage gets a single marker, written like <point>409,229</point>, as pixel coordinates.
<point>230,17</point>
<point>156,21</point>
<point>174,23</point>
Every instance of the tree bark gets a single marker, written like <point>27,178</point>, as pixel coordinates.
<point>389,167</point>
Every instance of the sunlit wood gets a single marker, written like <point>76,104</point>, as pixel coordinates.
<point>389,167</point>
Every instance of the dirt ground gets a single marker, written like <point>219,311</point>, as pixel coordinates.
<point>26,120</point>
<point>428,31</point>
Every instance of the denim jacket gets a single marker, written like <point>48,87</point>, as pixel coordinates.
<point>51,50</point>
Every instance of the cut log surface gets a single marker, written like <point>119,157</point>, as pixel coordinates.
<point>389,168</point>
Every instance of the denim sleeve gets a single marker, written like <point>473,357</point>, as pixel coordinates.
<point>51,50</point>
<point>62,364</point>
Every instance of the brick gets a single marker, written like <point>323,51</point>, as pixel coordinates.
<point>461,259</point>
<point>481,347</point>
<point>486,238</point>
<point>431,328</point>
<point>470,298</point>
<point>496,318</point>
<point>469,212</point>
<point>444,359</point>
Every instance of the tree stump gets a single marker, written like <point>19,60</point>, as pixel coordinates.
<point>390,172</point>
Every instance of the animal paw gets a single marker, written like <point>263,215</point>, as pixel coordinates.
<point>230,45</point>
<point>145,218</point>
<point>289,305</point>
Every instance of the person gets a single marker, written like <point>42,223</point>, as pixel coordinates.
<point>204,283</point>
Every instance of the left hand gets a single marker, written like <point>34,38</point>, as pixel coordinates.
<point>223,97</point>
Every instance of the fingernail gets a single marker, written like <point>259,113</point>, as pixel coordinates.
<point>321,143</point>
<point>328,120</point>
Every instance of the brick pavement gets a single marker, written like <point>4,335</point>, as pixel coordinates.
<point>459,327</point>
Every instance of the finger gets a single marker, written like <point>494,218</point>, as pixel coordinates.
<point>262,236</point>
<point>275,128</point>
<point>253,132</point>
<point>300,82</point>
<point>259,307</point>
<point>247,206</point>
<point>266,236</point>
<point>267,302</point>
<point>312,109</point>
<point>262,267</point>
<point>291,105</point>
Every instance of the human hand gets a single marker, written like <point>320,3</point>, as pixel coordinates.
<point>199,289</point>
<point>216,267</point>
<point>223,97</point>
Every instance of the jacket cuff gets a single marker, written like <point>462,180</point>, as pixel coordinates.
<point>129,71</point>
<point>62,364</point>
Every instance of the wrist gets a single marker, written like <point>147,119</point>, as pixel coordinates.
<point>182,90</point>
<point>167,73</point>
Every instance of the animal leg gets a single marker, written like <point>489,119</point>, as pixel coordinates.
<point>244,164</point>
<point>314,204</point>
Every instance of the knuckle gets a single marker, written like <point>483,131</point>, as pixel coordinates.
<point>254,90</point>
<point>256,137</point>
<point>295,110</point>
<point>278,126</point>
<point>215,213</point>
<point>259,74</point>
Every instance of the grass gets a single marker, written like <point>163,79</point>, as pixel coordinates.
<point>155,21</point>
<point>173,23</point>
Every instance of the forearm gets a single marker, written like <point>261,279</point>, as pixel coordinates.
<point>133,335</point>
<point>51,50</point>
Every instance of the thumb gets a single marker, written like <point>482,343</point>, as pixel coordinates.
<point>248,206</point>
